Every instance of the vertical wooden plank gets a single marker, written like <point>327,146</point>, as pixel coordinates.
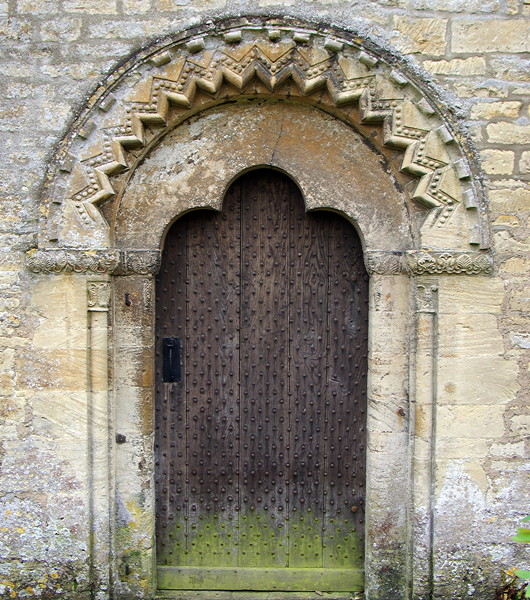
<point>345,400</point>
<point>264,371</point>
<point>212,397</point>
<point>309,241</point>
<point>170,437</point>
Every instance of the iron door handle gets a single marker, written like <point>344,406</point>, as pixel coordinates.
<point>171,371</point>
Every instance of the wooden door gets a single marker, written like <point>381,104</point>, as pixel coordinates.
<point>260,438</point>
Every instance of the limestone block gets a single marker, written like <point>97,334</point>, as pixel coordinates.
<point>520,425</point>
<point>510,68</point>
<point>490,110</point>
<point>510,199</point>
<point>464,382</point>
<point>94,7</point>
<point>461,448</point>
<point>520,300</point>
<point>509,449</point>
<point>492,35</point>
<point>516,266</point>
<point>475,65</point>
<point>61,30</point>
<point>482,421</point>
<point>453,6</point>
<point>506,244</point>
<point>480,89</point>
<point>57,369</point>
<point>136,6</point>
<point>36,7</point>
<point>470,347</point>
<point>424,35</point>
<point>62,415</point>
<point>175,5</point>
<point>498,162</point>
<point>138,370</point>
<point>470,295</point>
<point>134,409</point>
<point>61,303</point>
<point>508,133</point>
<point>506,222</point>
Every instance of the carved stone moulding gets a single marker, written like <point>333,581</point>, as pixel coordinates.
<point>72,260</point>
<point>449,263</point>
<point>344,73</point>
<point>425,262</point>
<point>147,262</point>
<point>111,262</point>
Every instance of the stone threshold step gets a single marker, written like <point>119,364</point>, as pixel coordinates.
<point>242,595</point>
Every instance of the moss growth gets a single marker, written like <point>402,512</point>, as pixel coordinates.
<point>263,539</point>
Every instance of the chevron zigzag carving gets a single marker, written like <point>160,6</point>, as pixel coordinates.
<point>179,80</point>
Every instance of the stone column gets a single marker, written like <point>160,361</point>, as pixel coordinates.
<point>423,438</point>
<point>99,427</point>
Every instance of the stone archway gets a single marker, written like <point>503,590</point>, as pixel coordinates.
<point>167,133</point>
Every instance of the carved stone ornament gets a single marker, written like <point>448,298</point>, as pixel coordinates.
<point>384,263</point>
<point>427,298</point>
<point>447,263</point>
<point>429,263</point>
<point>165,84</point>
<point>115,262</point>
<point>72,261</point>
<point>139,262</point>
<point>98,295</point>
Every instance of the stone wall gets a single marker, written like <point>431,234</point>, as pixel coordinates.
<point>55,52</point>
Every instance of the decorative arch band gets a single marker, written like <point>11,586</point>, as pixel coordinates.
<point>346,75</point>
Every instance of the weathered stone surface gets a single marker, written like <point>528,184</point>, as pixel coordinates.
<point>506,221</point>
<point>517,199</point>
<point>508,133</point>
<point>425,36</point>
<point>95,7</point>
<point>475,65</point>
<point>265,133</point>
<point>524,162</point>
<point>498,162</point>
<point>491,35</point>
<point>489,110</point>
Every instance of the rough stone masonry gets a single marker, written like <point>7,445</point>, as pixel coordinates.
<point>430,97</point>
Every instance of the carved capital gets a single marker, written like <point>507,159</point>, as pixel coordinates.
<point>98,296</point>
<point>139,262</point>
<point>71,260</point>
<point>449,263</point>
<point>384,263</point>
<point>427,298</point>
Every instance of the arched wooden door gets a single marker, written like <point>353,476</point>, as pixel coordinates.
<point>261,340</point>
